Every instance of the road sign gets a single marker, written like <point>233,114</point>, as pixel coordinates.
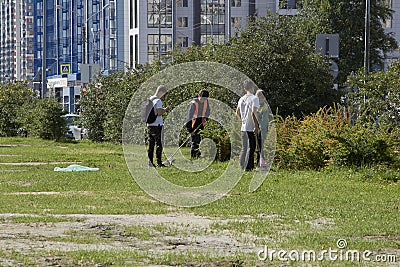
<point>327,45</point>
<point>65,68</point>
<point>333,68</point>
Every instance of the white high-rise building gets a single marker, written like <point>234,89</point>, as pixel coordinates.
<point>155,26</point>
<point>393,26</point>
<point>16,35</point>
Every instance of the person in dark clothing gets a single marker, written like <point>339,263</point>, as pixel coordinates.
<point>155,129</point>
<point>196,118</point>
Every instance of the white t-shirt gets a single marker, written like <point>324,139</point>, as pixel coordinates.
<point>157,104</point>
<point>246,105</point>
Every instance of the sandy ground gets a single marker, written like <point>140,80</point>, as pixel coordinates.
<point>169,232</point>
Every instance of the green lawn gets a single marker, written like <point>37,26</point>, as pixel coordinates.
<point>303,210</point>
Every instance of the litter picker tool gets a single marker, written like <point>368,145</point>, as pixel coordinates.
<point>170,158</point>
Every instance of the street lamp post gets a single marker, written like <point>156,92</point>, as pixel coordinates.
<point>56,35</point>
<point>367,36</point>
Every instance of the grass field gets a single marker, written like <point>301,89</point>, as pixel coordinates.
<point>103,218</point>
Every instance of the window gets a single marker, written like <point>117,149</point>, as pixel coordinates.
<point>159,13</point>
<point>288,4</point>
<point>157,48</point>
<point>388,22</point>
<point>236,3</point>
<point>132,15</point>
<point>182,3</point>
<point>183,41</point>
<point>131,53</point>
<point>288,7</point>
<point>236,23</point>
<point>212,21</point>
<point>182,21</point>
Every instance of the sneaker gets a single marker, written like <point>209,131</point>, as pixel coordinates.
<point>262,163</point>
<point>151,165</point>
<point>161,165</point>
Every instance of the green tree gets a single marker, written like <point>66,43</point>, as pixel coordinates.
<point>105,102</point>
<point>14,98</point>
<point>347,18</point>
<point>377,100</point>
<point>278,54</point>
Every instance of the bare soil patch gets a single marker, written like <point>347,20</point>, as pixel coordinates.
<point>167,232</point>
<point>7,145</point>
<point>37,163</point>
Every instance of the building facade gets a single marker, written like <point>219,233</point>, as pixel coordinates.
<point>156,26</point>
<point>393,26</point>
<point>77,32</point>
<point>16,40</point>
<point>79,35</point>
<point>108,35</point>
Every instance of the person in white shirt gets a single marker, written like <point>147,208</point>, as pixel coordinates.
<point>247,112</point>
<point>155,129</point>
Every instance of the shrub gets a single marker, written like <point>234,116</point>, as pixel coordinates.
<point>360,146</point>
<point>221,138</point>
<point>29,119</point>
<point>327,137</point>
<point>52,125</point>
<point>15,99</point>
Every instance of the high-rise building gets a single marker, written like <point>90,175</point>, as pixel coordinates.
<point>16,40</point>
<point>78,35</point>
<point>393,26</point>
<point>77,32</point>
<point>156,26</point>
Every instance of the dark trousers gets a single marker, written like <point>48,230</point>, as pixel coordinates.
<point>260,148</point>
<point>248,149</point>
<point>155,139</point>
<point>195,145</point>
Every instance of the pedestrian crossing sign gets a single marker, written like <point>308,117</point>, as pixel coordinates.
<point>65,68</point>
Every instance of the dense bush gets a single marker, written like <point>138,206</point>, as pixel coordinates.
<point>363,146</point>
<point>51,123</point>
<point>327,137</point>
<point>224,143</point>
<point>15,99</point>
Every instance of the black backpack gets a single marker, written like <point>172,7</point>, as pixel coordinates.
<point>148,111</point>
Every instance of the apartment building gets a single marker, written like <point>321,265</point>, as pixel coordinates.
<point>79,35</point>
<point>393,26</point>
<point>77,32</point>
<point>16,40</point>
<point>156,26</point>
<point>111,34</point>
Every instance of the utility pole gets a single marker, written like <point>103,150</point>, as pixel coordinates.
<point>367,36</point>
<point>159,30</point>
<point>44,54</point>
